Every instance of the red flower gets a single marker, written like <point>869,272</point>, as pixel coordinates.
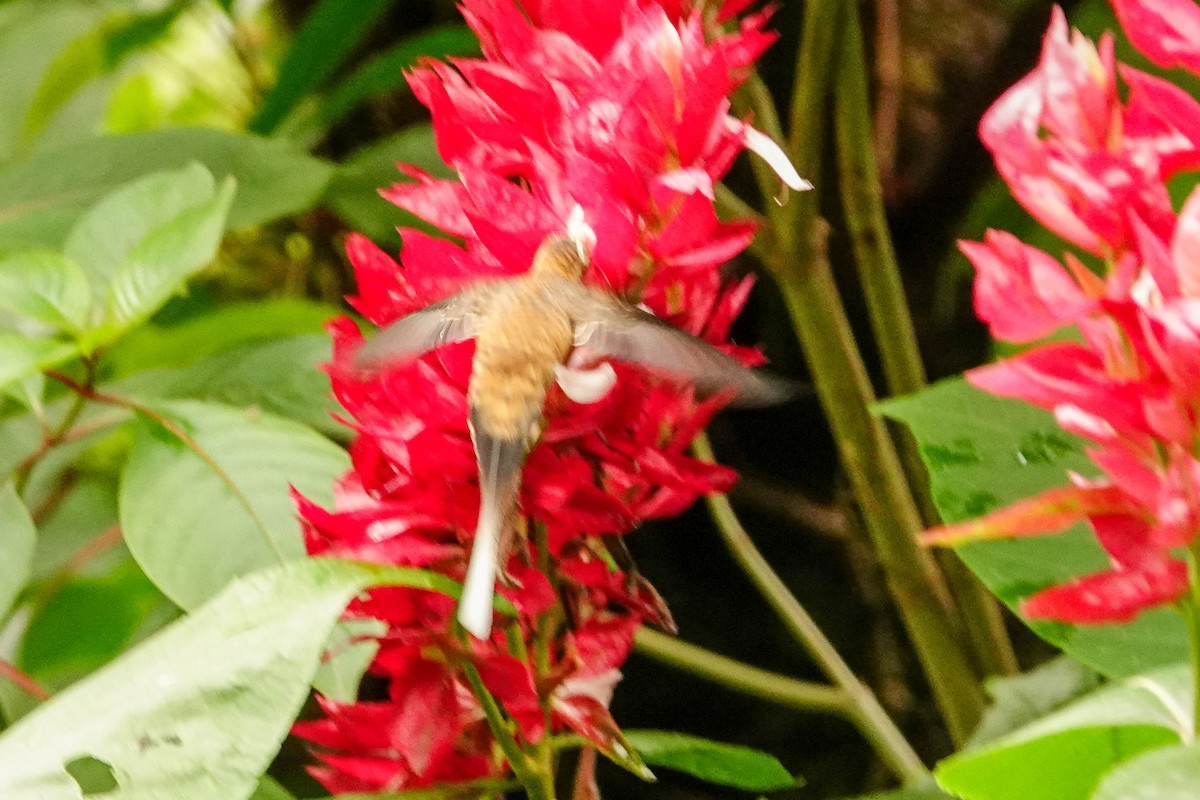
<point>1094,169</point>
<point>620,108</point>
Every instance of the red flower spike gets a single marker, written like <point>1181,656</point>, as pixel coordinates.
<point>620,108</point>
<point>1093,168</point>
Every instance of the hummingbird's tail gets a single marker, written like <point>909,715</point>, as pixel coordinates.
<point>500,462</point>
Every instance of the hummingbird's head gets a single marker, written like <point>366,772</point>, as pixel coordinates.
<point>561,256</point>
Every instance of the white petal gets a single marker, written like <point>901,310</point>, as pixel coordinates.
<point>586,385</point>
<point>768,151</point>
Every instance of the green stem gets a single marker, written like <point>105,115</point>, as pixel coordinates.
<point>892,325</point>
<point>873,721</point>
<point>770,686</point>
<point>800,265</point>
<point>877,479</point>
<point>532,782</point>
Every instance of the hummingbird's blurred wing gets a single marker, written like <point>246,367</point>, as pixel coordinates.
<point>609,327</point>
<point>451,320</point>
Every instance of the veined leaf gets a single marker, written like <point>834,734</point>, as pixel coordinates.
<point>199,709</point>
<point>714,762</point>
<point>1064,755</point>
<point>202,510</point>
<point>984,452</point>
<point>42,197</point>
<point>46,286</point>
<point>17,539</point>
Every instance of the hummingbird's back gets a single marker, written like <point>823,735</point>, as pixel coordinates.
<point>521,339</point>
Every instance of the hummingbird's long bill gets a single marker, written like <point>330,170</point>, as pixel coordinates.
<point>525,329</point>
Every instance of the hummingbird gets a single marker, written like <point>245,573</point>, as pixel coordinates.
<point>530,332</point>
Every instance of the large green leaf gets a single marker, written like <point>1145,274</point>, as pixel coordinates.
<point>96,53</point>
<point>17,539</point>
<point>713,762</point>
<point>198,710</point>
<point>1021,699</point>
<point>1064,756</point>
<point>21,356</point>
<point>156,267</point>
<point>199,512</point>
<point>104,236</point>
<point>46,286</point>
<point>140,243</point>
<point>1168,773</point>
<point>41,198</point>
<point>984,452</point>
<point>354,191</point>
<point>328,35</point>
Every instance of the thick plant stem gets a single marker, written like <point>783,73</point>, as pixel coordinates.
<point>739,677</point>
<point>800,266</point>
<point>535,785</point>
<point>892,325</point>
<point>872,720</point>
<point>873,469</point>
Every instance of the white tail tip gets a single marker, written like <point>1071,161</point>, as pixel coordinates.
<point>475,605</point>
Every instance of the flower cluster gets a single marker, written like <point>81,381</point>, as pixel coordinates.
<point>1092,163</point>
<point>620,107</point>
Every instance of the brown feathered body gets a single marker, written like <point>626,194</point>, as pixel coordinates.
<point>523,334</point>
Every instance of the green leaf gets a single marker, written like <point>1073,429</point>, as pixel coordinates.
<point>281,376</point>
<point>86,623</point>
<point>17,539</point>
<point>384,73</point>
<point>1168,773</point>
<point>327,36</point>
<point>46,286</point>
<point>221,498</point>
<point>137,245</point>
<point>102,240</point>
<point>154,346</point>
<point>41,198</point>
<point>721,764</point>
<point>1022,699</point>
<point>354,191</point>
<point>32,34</point>
<point>198,710</point>
<point>98,52</point>
<point>21,356</point>
<point>1063,756</point>
<point>156,267</point>
<point>984,452</point>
